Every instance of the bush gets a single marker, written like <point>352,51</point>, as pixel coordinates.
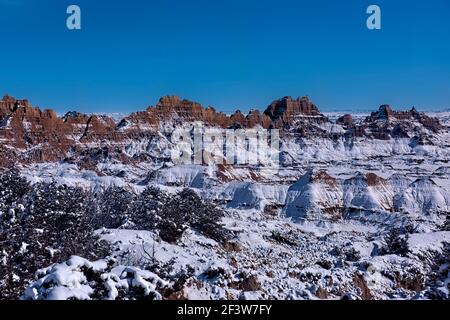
<point>80,279</point>
<point>410,228</point>
<point>284,237</point>
<point>187,208</point>
<point>110,209</point>
<point>394,243</point>
<point>53,226</point>
<point>438,278</point>
<point>347,253</point>
<point>12,188</point>
<point>146,211</point>
<point>172,215</point>
<point>63,213</point>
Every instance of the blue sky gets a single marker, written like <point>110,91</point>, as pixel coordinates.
<point>230,54</point>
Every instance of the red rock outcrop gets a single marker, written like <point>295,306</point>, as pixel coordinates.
<point>386,124</point>
<point>24,127</point>
<point>385,113</point>
<point>286,111</point>
<point>28,134</point>
<point>40,136</point>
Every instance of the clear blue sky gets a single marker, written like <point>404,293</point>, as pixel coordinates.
<point>227,53</point>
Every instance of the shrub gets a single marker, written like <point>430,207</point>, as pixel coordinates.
<point>12,188</point>
<point>394,243</point>
<point>52,227</point>
<point>146,211</point>
<point>410,228</point>
<point>187,208</point>
<point>347,253</point>
<point>284,238</point>
<point>438,279</point>
<point>172,215</point>
<point>80,279</point>
<point>110,209</point>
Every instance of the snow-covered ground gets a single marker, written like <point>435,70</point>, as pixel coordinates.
<point>270,259</point>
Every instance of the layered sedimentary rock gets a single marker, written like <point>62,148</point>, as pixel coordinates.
<point>40,135</point>
<point>31,135</point>
<point>287,111</point>
<point>173,110</point>
<point>316,195</point>
<point>386,124</point>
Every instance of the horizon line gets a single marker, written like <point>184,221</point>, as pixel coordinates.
<point>246,110</point>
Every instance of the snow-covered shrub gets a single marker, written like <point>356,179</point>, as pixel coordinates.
<point>147,210</point>
<point>109,210</point>
<point>446,226</point>
<point>351,254</point>
<point>188,208</point>
<point>284,237</point>
<point>438,284</point>
<point>172,215</point>
<point>62,213</point>
<point>346,253</point>
<point>395,243</point>
<point>51,228</point>
<point>12,188</point>
<point>80,279</point>
<point>176,216</point>
<point>409,228</point>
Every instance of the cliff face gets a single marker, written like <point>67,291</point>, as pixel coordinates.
<point>40,136</point>
<point>386,123</point>
<point>287,107</point>
<point>31,130</point>
<point>389,116</point>
<point>281,113</point>
<point>172,109</point>
<point>286,111</point>
<point>31,135</point>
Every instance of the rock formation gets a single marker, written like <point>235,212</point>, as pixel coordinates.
<point>31,135</point>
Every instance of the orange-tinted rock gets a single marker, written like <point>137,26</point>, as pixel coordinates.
<point>100,128</point>
<point>386,123</point>
<point>42,135</point>
<point>387,114</point>
<point>286,111</point>
<point>28,134</point>
<point>322,176</point>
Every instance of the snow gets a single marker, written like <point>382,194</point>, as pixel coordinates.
<point>70,175</point>
<point>424,196</point>
<point>289,224</point>
<point>253,195</point>
<point>182,175</point>
<point>64,281</point>
<point>307,199</point>
<point>423,242</point>
<point>68,280</point>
